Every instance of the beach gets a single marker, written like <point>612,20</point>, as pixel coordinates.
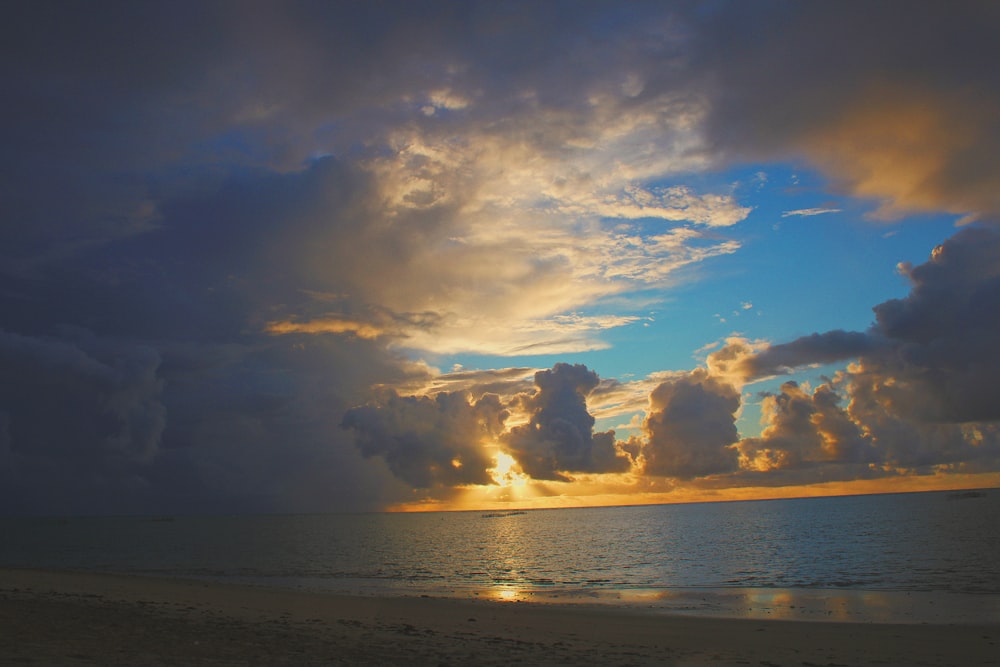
<point>76,618</point>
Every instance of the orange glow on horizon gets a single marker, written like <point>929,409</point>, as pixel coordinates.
<point>534,495</point>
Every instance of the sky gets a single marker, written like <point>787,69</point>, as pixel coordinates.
<point>351,256</point>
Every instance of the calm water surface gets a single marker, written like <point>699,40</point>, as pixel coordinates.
<point>913,543</point>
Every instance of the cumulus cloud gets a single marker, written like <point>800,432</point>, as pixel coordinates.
<point>943,333</point>
<point>935,348</point>
<point>444,439</point>
<point>559,437</point>
<point>803,429</point>
<point>690,427</point>
<point>884,408</point>
<point>921,388</point>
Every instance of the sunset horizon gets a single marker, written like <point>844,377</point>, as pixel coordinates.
<point>493,332</point>
<point>287,258</point>
<point>945,484</point>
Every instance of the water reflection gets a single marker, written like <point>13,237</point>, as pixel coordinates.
<point>778,559</point>
<point>505,553</point>
<point>788,604</point>
<point>506,594</point>
<point>828,605</point>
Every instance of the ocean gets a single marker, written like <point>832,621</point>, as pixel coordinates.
<point>868,552</point>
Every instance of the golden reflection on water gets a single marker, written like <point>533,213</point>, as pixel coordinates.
<point>826,605</point>
<point>505,558</point>
<point>636,595</point>
<point>506,594</point>
<point>782,604</point>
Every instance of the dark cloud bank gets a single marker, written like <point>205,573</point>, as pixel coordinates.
<point>162,200</point>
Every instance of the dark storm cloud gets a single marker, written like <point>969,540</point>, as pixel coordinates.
<point>80,399</point>
<point>94,97</point>
<point>256,427</point>
<point>224,260</point>
<point>559,436</point>
<point>94,425</point>
<point>79,419</point>
<point>427,441</point>
<point>690,427</point>
<point>158,190</point>
<point>109,109</point>
<point>243,421</point>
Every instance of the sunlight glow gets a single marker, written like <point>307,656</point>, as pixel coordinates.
<point>532,494</point>
<point>507,472</point>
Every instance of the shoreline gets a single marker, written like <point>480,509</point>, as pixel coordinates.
<point>66,617</point>
<point>791,604</point>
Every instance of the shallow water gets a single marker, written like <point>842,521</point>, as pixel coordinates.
<point>838,557</point>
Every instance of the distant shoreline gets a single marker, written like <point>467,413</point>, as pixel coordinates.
<point>57,617</point>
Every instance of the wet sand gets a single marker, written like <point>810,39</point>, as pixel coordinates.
<point>67,618</point>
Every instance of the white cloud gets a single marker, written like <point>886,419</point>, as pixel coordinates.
<point>809,212</point>
<point>527,223</point>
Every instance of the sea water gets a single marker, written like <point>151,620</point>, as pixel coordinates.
<point>863,551</point>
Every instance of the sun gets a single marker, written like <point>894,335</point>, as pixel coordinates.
<point>507,472</point>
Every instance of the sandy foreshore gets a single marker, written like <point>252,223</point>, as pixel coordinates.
<point>69,618</point>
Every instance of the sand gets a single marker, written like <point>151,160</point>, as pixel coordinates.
<point>69,618</point>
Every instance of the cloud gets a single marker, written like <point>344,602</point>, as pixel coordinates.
<point>885,406</point>
<point>824,348</point>
<point>731,363</point>
<point>809,212</point>
<point>532,196</point>
<point>79,399</point>
<point>943,333</point>
<point>210,254</point>
<point>78,418</point>
<point>914,128</point>
<point>428,442</point>
<point>936,344</point>
<point>674,203</point>
<point>805,430</point>
<point>504,382</point>
<point>514,227</point>
<point>921,391</point>
<point>690,427</point>
<point>256,426</point>
<point>325,325</point>
<point>559,437</point>
<point>453,438</point>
